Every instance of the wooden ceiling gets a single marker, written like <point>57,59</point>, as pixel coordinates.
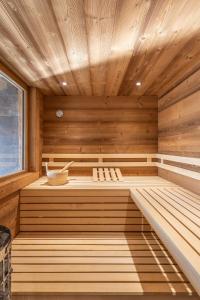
<point>101,47</point>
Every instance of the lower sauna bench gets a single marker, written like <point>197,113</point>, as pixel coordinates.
<point>80,243</point>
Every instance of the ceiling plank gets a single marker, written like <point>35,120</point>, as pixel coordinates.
<point>165,35</point>
<point>16,59</point>
<point>71,21</point>
<point>39,18</point>
<point>101,47</point>
<point>20,38</point>
<point>185,63</point>
<point>13,17</point>
<point>129,23</point>
<point>45,30</point>
<point>100,20</point>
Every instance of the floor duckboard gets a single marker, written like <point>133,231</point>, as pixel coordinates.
<point>95,264</point>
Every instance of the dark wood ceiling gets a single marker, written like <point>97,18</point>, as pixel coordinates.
<point>101,47</point>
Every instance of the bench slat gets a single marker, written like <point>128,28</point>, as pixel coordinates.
<point>187,198</point>
<point>190,220</point>
<point>173,220</point>
<point>173,234</point>
<point>187,210</point>
<point>193,196</point>
<point>107,174</point>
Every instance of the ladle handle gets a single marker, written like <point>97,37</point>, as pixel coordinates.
<point>66,167</point>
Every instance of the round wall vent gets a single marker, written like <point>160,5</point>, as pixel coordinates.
<point>59,113</point>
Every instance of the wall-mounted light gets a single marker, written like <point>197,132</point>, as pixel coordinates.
<point>64,83</point>
<point>59,113</point>
<point>138,83</point>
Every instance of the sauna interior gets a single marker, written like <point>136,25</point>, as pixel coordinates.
<point>112,86</point>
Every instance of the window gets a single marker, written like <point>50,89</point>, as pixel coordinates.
<point>12,110</point>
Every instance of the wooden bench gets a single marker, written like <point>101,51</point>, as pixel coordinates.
<point>88,240</point>
<point>174,214</point>
<point>79,211</point>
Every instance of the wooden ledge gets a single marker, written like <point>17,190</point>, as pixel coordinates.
<point>14,183</point>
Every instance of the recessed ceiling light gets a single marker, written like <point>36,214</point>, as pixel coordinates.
<point>138,83</point>
<point>64,83</point>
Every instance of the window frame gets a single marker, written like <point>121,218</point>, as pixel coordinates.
<point>25,127</point>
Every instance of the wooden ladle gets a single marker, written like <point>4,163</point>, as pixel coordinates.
<point>66,167</point>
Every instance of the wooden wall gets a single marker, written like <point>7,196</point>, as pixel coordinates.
<point>9,212</point>
<point>11,185</point>
<point>179,131</point>
<point>179,126</point>
<point>100,124</point>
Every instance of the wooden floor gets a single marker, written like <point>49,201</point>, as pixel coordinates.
<point>95,264</point>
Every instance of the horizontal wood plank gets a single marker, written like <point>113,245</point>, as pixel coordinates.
<point>79,199</point>
<point>108,259</point>
<point>103,288</point>
<point>96,277</point>
<point>80,227</point>
<point>80,214</point>
<point>82,221</point>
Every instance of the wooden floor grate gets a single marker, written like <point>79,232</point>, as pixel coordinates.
<point>95,263</point>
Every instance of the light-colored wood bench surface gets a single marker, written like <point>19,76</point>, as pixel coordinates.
<point>172,211</point>
<point>95,263</point>
<point>174,214</point>
<point>77,185</point>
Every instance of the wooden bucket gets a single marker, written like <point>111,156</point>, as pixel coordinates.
<point>58,177</point>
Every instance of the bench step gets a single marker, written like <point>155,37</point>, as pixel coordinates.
<point>80,213</point>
